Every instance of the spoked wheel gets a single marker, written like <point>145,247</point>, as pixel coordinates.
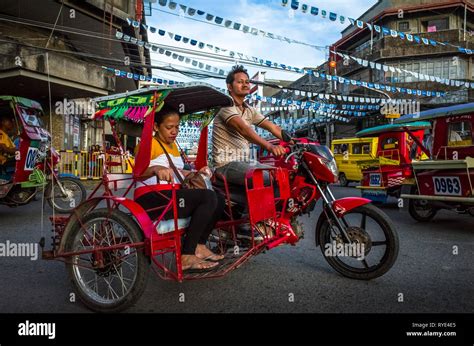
<point>419,209</point>
<point>107,280</point>
<point>74,194</point>
<point>221,241</point>
<point>374,244</point>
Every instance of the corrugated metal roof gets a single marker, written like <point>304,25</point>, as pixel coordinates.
<point>464,108</point>
<point>394,128</point>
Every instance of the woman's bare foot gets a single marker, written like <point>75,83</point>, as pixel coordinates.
<point>194,262</point>
<point>203,252</point>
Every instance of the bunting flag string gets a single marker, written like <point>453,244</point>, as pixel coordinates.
<point>376,86</point>
<point>345,98</point>
<point>311,104</point>
<point>192,12</point>
<point>301,122</point>
<point>140,77</point>
<point>230,53</point>
<point>153,79</point>
<point>393,69</point>
<point>195,63</point>
<point>321,75</point>
<point>319,108</point>
<point>268,63</point>
<point>315,11</point>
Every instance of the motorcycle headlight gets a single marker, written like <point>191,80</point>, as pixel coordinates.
<point>331,164</point>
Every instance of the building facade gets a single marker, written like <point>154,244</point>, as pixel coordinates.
<point>443,21</point>
<point>54,54</point>
<point>440,20</point>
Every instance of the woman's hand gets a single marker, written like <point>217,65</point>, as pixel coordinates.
<point>206,171</point>
<point>163,173</point>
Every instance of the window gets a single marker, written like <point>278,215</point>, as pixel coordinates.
<point>435,25</point>
<point>403,26</point>
<point>453,68</point>
<point>340,148</point>
<point>389,143</point>
<point>362,46</point>
<point>430,68</point>
<point>460,134</point>
<point>30,116</point>
<point>357,148</point>
<point>438,67</point>
<point>366,148</point>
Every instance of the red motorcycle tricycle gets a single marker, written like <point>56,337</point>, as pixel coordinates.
<point>109,241</point>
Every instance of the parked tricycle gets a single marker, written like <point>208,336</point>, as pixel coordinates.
<point>446,181</point>
<point>109,241</point>
<point>32,167</point>
<point>398,146</point>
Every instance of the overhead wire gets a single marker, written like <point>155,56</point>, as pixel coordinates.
<point>82,32</point>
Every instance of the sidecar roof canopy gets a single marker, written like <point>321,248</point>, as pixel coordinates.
<point>418,125</point>
<point>185,99</point>
<point>429,114</point>
<point>22,101</point>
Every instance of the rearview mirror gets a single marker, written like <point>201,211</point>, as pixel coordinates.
<point>285,136</point>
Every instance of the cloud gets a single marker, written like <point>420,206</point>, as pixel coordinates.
<point>265,15</point>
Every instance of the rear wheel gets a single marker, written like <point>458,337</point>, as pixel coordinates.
<point>419,209</point>
<point>373,248</point>
<point>108,280</point>
<point>343,180</point>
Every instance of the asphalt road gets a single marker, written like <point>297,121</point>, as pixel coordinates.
<point>427,273</point>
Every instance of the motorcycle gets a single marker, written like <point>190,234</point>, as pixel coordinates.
<point>110,240</point>
<point>33,167</point>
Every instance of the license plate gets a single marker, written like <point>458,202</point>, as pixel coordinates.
<point>447,186</point>
<point>374,180</point>
<point>30,161</point>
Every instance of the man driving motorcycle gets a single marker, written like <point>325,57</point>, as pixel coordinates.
<point>233,132</point>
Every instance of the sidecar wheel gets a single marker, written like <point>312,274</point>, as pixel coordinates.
<point>121,278</point>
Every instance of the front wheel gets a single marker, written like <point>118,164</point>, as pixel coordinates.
<point>419,209</point>
<point>373,248</point>
<point>73,195</point>
<point>109,279</point>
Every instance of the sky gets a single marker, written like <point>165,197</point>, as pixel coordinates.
<point>267,15</point>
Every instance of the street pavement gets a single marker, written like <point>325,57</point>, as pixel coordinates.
<point>427,274</point>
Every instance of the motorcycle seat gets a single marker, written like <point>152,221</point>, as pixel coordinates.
<point>237,193</point>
